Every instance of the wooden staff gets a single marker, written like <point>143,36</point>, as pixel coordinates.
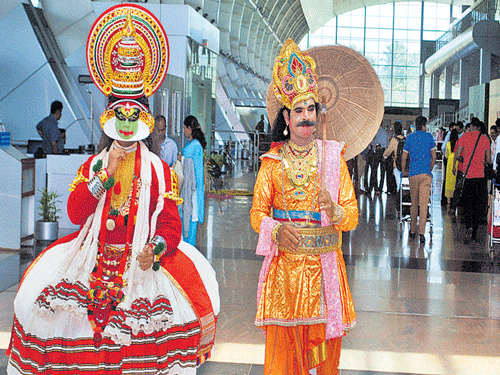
<point>323,142</point>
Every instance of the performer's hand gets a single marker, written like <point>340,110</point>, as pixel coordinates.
<point>288,236</point>
<point>455,169</point>
<point>179,156</point>
<point>325,202</point>
<point>115,157</point>
<point>145,258</point>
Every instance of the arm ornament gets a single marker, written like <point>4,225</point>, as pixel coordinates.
<point>274,232</point>
<point>96,187</point>
<point>159,247</point>
<point>173,195</point>
<point>338,214</point>
<point>78,179</point>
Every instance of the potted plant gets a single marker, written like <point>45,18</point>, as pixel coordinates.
<point>47,229</point>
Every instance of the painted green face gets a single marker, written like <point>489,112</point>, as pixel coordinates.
<point>127,122</point>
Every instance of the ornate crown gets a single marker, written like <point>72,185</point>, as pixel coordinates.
<point>294,76</point>
<point>127,52</point>
<point>127,56</point>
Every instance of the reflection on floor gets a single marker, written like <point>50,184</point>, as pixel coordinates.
<point>430,308</point>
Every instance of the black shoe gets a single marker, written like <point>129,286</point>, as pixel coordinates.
<point>422,238</point>
<point>468,236</point>
<point>411,236</point>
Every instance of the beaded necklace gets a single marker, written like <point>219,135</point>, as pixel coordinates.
<point>105,294</point>
<point>300,163</point>
<point>315,157</point>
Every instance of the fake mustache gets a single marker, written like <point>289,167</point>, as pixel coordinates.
<point>306,123</point>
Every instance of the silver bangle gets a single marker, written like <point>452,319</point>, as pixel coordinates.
<point>96,187</point>
<point>156,240</point>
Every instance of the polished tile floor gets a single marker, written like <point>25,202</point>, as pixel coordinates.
<point>421,309</point>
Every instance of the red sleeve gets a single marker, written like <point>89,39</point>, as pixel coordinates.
<point>81,202</point>
<point>168,224</point>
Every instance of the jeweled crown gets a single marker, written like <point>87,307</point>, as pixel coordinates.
<point>294,76</point>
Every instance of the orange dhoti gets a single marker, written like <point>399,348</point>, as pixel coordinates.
<point>296,350</point>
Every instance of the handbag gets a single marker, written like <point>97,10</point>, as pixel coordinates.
<point>489,173</point>
<point>460,181</point>
<point>459,187</point>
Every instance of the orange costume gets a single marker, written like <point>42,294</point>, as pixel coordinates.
<point>304,302</point>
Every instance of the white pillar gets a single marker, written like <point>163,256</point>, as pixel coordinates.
<point>464,82</point>
<point>485,66</point>
<point>435,85</point>
<point>448,74</point>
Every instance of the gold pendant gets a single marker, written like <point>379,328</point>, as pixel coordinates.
<point>299,195</point>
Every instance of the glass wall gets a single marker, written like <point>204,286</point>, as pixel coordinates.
<point>201,86</point>
<point>389,36</point>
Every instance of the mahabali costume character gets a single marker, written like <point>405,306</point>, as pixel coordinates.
<point>122,295</point>
<point>303,302</point>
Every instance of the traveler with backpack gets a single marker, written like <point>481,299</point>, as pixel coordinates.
<point>420,148</point>
<point>395,150</point>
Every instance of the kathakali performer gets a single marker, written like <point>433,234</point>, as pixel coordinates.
<point>304,302</point>
<point>124,294</point>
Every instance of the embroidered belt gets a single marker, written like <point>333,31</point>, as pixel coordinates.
<point>296,215</point>
<point>316,241</point>
<point>113,251</point>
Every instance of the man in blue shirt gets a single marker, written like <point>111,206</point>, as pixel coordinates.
<point>168,147</point>
<point>421,149</point>
<point>48,129</point>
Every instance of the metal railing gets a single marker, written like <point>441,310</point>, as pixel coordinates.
<point>482,10</point>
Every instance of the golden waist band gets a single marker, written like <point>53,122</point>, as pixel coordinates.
<point>316,241</point>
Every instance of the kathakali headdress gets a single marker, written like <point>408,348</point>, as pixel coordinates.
<point>294,76</point>
<point>127,56</point>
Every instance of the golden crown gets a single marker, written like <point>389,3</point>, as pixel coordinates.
<point>294,76</point>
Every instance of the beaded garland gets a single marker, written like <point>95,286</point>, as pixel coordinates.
<point>106,281</point>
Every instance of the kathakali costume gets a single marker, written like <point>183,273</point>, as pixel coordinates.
<point>303,302</point>
<point>85,305</point>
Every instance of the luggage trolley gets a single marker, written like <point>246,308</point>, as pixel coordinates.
<point>494,220</point>
<point>404,200</point>
<point>405,204</point>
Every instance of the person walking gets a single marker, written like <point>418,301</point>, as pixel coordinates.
<point>473,152</point>
<point>391,153</point>
<point>421,149</point>
<point>451,177</point>
<point>194,205</point>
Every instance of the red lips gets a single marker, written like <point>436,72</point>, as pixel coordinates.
<point>126,134</point>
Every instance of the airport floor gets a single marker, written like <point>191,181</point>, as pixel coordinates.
<point>430,308</point>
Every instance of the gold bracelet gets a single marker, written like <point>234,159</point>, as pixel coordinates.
<point>274,233</point>
<point>338,214</point>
